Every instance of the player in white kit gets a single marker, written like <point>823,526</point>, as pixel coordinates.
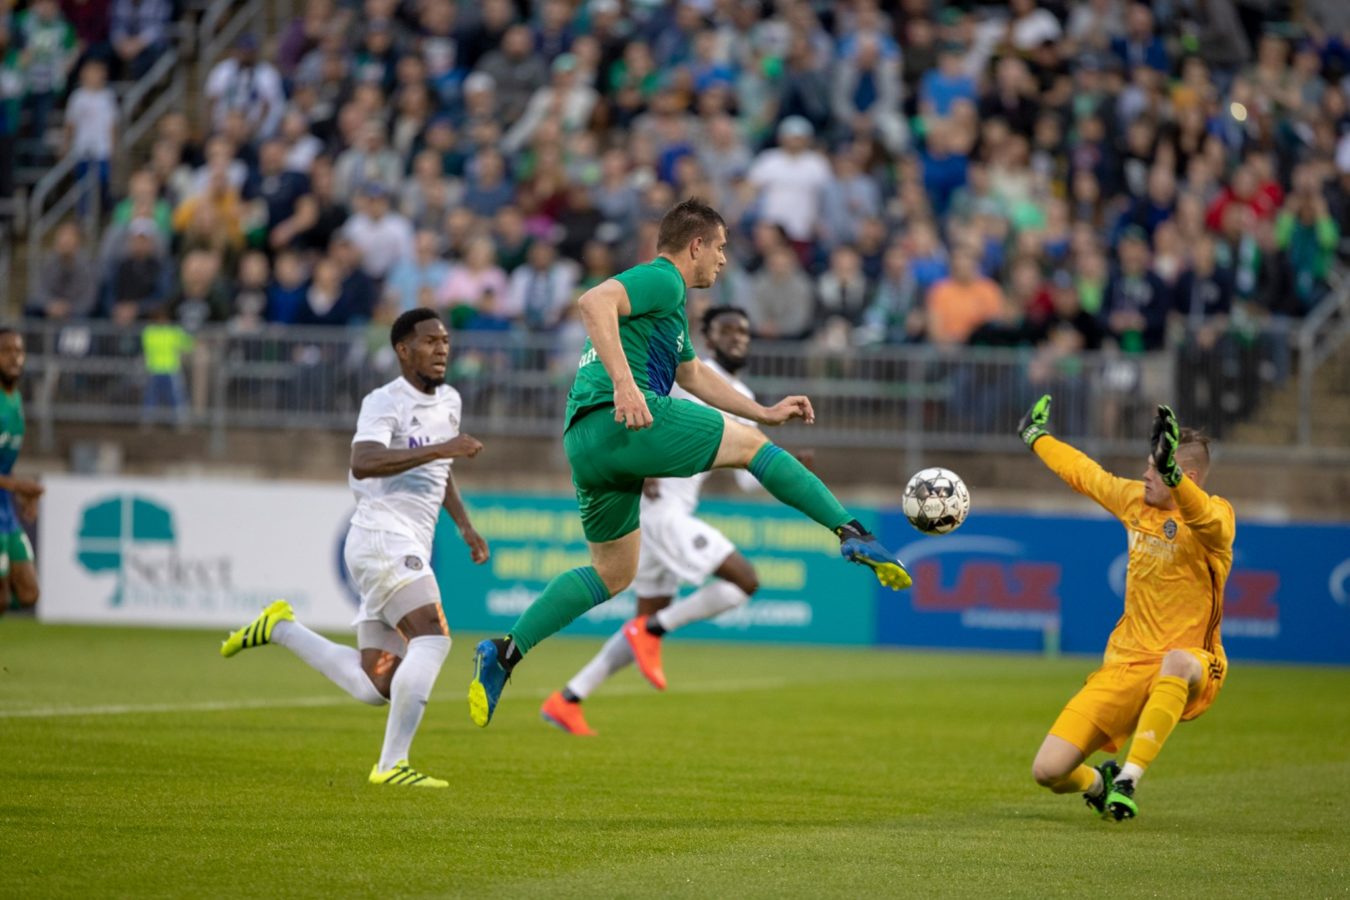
<point>406,437</point>
<point>677,548</point>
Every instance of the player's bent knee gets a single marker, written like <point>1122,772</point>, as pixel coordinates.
<point>1046,772</point>
<point>739,445</point>
<point>27,596</point>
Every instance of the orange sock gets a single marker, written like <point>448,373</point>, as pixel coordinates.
<point>1079,781</point>
<point>1160,716</point>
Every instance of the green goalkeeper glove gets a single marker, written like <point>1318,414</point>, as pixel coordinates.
<point>1166,433</point>
<point>1032,427</point>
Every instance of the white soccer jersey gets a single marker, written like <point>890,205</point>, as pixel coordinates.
<point>398,415</point>
<point>681,494</point>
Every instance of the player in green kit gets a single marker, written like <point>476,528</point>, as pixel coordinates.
<point>621,427</point>
<point>18,496</point>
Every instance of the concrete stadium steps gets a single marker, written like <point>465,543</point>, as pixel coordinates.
<point>1276,419</point>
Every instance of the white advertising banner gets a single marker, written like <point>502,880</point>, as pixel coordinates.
<point>177,552</point>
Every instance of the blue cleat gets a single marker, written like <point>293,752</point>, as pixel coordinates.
<point>863,548</point>
<point>488,680</point>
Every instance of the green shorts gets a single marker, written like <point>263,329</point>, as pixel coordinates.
<point>14,548</point>
<point>609,462</point>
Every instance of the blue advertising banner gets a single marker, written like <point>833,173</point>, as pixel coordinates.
<point>1018,582</point>
<point>807,594</point>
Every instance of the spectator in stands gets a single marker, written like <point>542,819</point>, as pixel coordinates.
<point>413,282</point>
<point>67,280</point>
<point>11,107</point>
<point>370,160</point>
<point>511,238</point>
<point>842,291</point>
<point>242,83</point>
<point>163,345</point>
<point>961,302</point>
<point>382,235</point>
<point>474,293</point>
<point>91,126</point>
<point>1136,302</point>
<point>790,179</point>
<point>140,32</point>
<point>327,300</point>
<point>516,71</point>
<point>48,52</point>
<point>1140,45</point>
<point>302,146</point>
<point>1308,237</point>
<point>851,198</point>
<point>90,19</point>
<point>143,201</point>
<point>566,99</point>
<point>540,291</point>
<point>781,297</point>
<point>305,32</point>
<point>487,187</point>
<point>202,294</point>
<point>274,187</point>
<point>248,313</point>
<point>287,291</point>
<point>896,315</point>
<point>866,95</point>
<point>213,217</point>
<point>141,279</point>
<point>320,214</point>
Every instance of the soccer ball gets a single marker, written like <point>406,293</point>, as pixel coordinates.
<point>936,501</point>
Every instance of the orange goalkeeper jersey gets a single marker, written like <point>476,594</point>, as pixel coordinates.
<point>1179,558</point>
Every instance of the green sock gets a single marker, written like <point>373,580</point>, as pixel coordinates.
<point>567,596</point>
<point>793,483</point>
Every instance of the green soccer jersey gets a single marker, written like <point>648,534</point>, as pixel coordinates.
<point>655,339</point>
<point>11,429</point>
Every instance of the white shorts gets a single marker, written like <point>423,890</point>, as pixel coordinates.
<point>678,549</point>
<point>382,563</point>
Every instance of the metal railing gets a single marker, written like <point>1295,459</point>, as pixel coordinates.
<point>910,398</point>
<point>134,123</point>
<point>1322,333</point>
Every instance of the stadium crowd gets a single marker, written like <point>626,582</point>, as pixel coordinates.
<point>1060,176</point>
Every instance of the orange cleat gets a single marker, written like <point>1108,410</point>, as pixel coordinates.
<point>565,716</point>
<point>646,651</point>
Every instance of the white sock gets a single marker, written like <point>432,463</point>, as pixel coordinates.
<point>1130,772</point>
<point>409,693</point>
<point>340,663</point>
<point>707,602</point>
<point>613,656</point>
<point>1098,785</point>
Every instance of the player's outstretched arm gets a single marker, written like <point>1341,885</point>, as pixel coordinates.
<point>714,390</point>
<point>1078,470</point>
<point>454,506</point>
<point>601,308</point>
<point>1210,518</point>
<point>374,460</point>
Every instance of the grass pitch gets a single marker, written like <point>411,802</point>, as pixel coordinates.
<point>138,763</point>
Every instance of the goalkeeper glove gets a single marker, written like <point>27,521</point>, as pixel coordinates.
<point>1166,433</point>
<point>1032,427</point>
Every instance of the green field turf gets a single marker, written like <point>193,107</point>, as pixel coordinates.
<point>149,767</point>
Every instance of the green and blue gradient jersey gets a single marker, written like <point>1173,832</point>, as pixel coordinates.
<point>655,339</point>
<point>11,442</point>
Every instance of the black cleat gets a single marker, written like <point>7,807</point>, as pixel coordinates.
<point>1108,770</point>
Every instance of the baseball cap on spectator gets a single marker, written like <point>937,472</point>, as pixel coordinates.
<point>1061,280</point>
<point>246,41</point>
<point>374,189</point>
<point>600,7</point>
<point>565,62</point>
<point>795,126</point>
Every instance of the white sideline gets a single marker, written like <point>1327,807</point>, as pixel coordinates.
<point>57,712</point>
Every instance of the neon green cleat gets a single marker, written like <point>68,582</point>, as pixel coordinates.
<point>1120,803</point>
<point>404,775</point>
<point>259,631</point>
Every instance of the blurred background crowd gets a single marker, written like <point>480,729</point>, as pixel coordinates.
<point>1060,176</point>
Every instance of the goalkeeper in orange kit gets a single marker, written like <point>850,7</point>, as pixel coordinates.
<point>1164,661</point>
